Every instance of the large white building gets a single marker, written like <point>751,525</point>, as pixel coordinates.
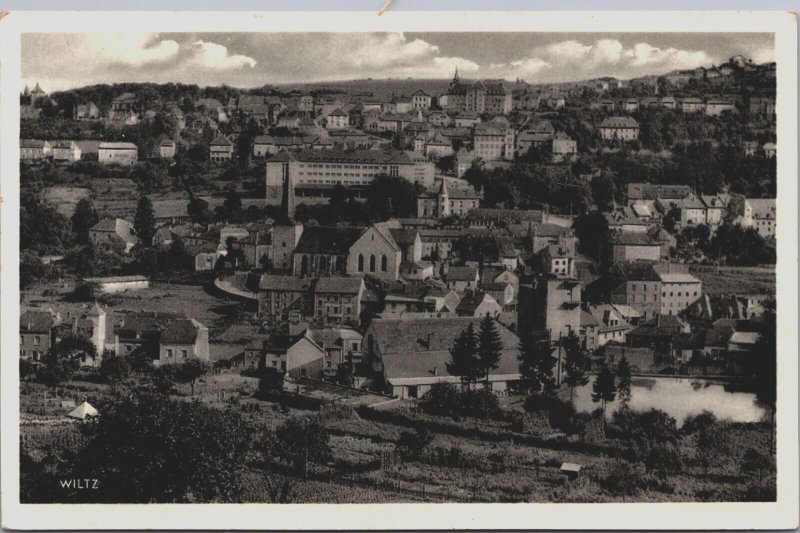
<point>119,153</point>
<point>314,173</point>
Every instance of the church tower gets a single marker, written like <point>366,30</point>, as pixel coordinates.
<point>286,231</point>
<point>443,200</point>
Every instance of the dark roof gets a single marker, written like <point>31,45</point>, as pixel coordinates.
<point>36,321</point>
<point>182,331</point>
<point>636,271</point>
<point>632,238</point>
<point>463,273</point>
<point>470,302</point>
<point>376,157</point>
<point>273,282</point>
<point>659,326</point>
<point>339,284</point>
<point>506,214</point>
<point>619,122</point>
<point>221,141</point>
<point>327,240</point>
<point>404,236</point>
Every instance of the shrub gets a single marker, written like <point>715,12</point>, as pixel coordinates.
<point>410,445</point>
<point>559,413</point>
<point>693,424</point>
<point>663,460</point>
<point>442,399</point>
<point>479,403</point>
<point>622,479</point>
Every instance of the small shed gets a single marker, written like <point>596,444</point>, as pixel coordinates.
<point>570,470</point>
<point>83,411</point>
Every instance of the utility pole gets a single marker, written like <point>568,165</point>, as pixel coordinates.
<point>558,375</point>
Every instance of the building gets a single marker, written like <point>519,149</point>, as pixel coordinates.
<point>635,285</point>
<point>770,150</point>
<point>759,214</point>
<point>124,103</point>
<point>421,99</point>
<point>462,278</point>
<point>411,355</point>
<point>692,105</point>
<point>716,206</point>
<point>279,296</point>
<point>84,320</point>
<point>611,326</point>
<point>376,253</point>
<point>120,153</point>
<point>36,333</point>
<point>299,356</point>
<point>181,340</point>
<point>631,105</point>
<point>341,346</point>
<point>493,142</point>
<point>563,146</point>
<point>717,106</point>
<point>478,303</point>
<point>34,150</point>
<point>628,246</point>
<point>657,331</point>
<point>314,173</point>
<point>66,152</point>
<point>337,300</point>
<point>220,150</point>
<point>551,306</point>
<point>438,146</point>
<point>447,201</point>
<point>559,259</point>
<point>112,284</point>
<point>141,332</point>
<point>166,150</point>
<point>338,120</point>
<point>489,97</point>
<point>323,250</point>
<point>619,128</point>
<point>87,112</point>
<point>115,231</point>
<point>678,291</point>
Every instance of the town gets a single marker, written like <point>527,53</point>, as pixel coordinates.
<point>463,290</point>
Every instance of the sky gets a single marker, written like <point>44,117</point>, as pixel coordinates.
<point>257,59</point>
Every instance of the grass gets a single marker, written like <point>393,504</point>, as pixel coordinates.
<point>735,280</point>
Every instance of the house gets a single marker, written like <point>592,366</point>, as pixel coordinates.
<point>493,142</point>
<point>338,120</point>
<point>759,214</point>
<point>220,150</point>
<point>411,355</point>
<point>678,291</point>
<point>559,259</point>
<point>341,346</point>
<point>84,320</point>
<point>166,150</point>
<point>279,296</point>
<point>87,111</point>
<point>716,206</point>
<point>657,331</point>
<point>123,103</point>
<point>114,231</point>
<point>298,356</point>
<point>112,284</point>
<point>376,253</point>
<point>770,150</point>
<point>630,105</point>
<point>181,340</point>
<point>692,105</point>
<point>462,278</point>
<point>467,120</point>
<point>611,326</point>
<point>563,146</point>
<point>717,106</point>
<point>448,200</point>
<point>633,285</point>
<point>118,153</point>
<point>635,246</point>
<point>619,128</point>
<point>570,470</point>
<point>489,97</point>
<point>438,146</point>
<point>478,303</point>
<point>36,333</point>
<point>34,150</point>
<point>66,151</point>
<point>206,255</point>
<point>421,99</point>
<point>140,332</point>
<point>337,300</point>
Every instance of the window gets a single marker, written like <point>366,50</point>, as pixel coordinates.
<point>184,354</point>
<point>372,263</point>
<point>384,264</point>
<point>36,340</point>
<point>169,352</point>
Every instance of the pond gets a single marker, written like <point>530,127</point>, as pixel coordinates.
<point>679,397</point>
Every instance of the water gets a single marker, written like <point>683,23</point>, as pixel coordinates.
<point>679,398</point>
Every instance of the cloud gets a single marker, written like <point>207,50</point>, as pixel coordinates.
<point>522,68</point>
<point>764,55</point>
<point>130,49</point>
<point>215,56</point>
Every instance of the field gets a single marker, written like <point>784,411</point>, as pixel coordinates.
<point>470,460</point>
<point>736,280</point>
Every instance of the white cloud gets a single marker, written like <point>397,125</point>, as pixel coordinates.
<point>206,54</point>
<point>764,55</point>
<point>131,49</point>
<point>522,68</point>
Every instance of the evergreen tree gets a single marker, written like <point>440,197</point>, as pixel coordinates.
<point>624,383</point>
<point>490,346</point>
<point>464,357</point>
<point>232,207</point>
<point>84,217</point>
<point>536,363</point>
<point>144,221</point>
<point>604,389</point>
<point>575,363</point>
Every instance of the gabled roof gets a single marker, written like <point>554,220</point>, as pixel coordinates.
<point>182,331</point>
<point>221,141</point>
<point>462,273</point>
<point>328,240</point>
<point>619,122</point>
<point>36,321</point>
<point>274,282</point>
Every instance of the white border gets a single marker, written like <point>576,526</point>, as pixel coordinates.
<point>780,515</point>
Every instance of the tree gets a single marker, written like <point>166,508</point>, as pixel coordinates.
<point>31,269</point>
<point>756,463</point>
<point>232,207</point>
<point>114,368</point>
<point>480,248</point>
<point>144,221</point>
<point>190,371</point>
<point>604,389</point>
<point>84,217</point>
<point>594,237</point>
<point>302,441</point>
<point>490,347</point>
<point>624,383</point>
<point>575,363</point>
<point>204,461</point>
<point>56,369</point>
<point>712,444</point>
<point>622,479</point>
<point>442,399</point>
<point>464,361</point>
<point>413,444</point>
<point>766,368</point>
<point>536,363</point>
<point>75,348</point>
<point>391,196</point>
<point>664,460</point>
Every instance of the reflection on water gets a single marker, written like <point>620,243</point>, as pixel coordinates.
<point>680,398</point>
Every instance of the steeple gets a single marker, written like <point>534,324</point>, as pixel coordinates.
<point>287,200</point>
<point>455,77</point>
<point>444,200</point>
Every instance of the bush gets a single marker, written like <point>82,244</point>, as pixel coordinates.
<point>442,399</point>
<point>479,403</point>
<point>410,445</point>
<point>693,424</point>
<point>663,460</point>
<point>622,479</point>
<point>560,413</point>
